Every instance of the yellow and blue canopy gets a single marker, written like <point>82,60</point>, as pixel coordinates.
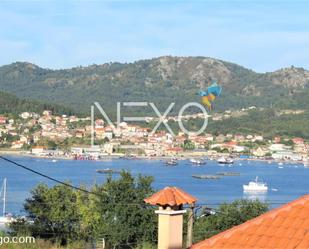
<point>208,96</point>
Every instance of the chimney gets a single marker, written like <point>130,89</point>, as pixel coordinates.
<point>170,214</point>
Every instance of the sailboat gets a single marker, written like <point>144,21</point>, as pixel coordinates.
<point>4,219</point>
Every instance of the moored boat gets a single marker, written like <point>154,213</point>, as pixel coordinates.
<point>5,218</point>
<point>171,162</point>
<point>197,162</point>
<point>255,186</point>
<point>223,160</point>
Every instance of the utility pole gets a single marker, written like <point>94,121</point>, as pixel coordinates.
<point>190,226</point>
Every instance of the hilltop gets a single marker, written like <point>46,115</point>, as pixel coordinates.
<point>160,80</point>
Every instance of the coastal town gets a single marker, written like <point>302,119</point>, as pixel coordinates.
<point>61,136</point>
<point>154,124</point>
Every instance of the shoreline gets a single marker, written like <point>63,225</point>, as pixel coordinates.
<point>181,157</point>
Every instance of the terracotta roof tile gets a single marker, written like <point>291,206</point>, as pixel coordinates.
<point>297,222</point>
<point>306,222</point>
<point>263,241</point>
<point>292,243</point>
<point>170,196</point>
<point>252,241</point>
<point>282,228</point>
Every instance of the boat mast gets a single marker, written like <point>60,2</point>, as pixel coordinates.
<point>4,196</point>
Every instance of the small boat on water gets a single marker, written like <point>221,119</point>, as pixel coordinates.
<point>223,160</point>
<point>108,171</point>
<point>197,162</point>
<point>206,177</point>
<point>255,186</point>
<point>171,162</point>
<point>228,173</point>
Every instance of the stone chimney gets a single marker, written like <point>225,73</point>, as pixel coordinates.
<point>170,229</point>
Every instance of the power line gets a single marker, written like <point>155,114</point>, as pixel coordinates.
<point>48,177</point>
<point>67,184</point>
<point>97,194</point>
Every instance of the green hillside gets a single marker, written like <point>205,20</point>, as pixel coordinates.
<point>11,104</point>
<point>268,123</point>
<point>159,80</point>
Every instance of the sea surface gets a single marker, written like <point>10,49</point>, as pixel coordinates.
<point>285,183</point>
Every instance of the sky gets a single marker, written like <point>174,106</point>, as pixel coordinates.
<point>260,35</point>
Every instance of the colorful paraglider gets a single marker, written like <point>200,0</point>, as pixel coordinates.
<point>208,96</point>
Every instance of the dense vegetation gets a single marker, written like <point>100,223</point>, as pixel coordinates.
<point>161,80</point>
<point>116,212</point>
<point>11,104</point>
<point>227,216</point>
<point>268,122</point>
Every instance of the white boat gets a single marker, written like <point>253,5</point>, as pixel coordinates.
<point>223,160</point>
<point>5,218</point>
<point>197,162</point>
<point>172,162</point>
<point>255,186</point>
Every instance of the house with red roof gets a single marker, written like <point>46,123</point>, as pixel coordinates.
<point>173,150</point>
<point>3,120</point>
<point>298,140</point>
<point>285,227</point>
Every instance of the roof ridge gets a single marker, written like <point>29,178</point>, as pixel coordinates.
<point>271,214</point>
<point>170,196</point>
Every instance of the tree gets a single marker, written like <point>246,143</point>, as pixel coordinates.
<point>50,144</point>
<point>115,211</point>
<point>119,213</point>
<point>188,145</point>
<point>54,214</point>
<point>227,216</point>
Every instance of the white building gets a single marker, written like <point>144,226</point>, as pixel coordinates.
<point>38,150</point>
<point>25,115</point>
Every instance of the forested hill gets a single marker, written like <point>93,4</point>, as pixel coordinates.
<point>160,80</point>
<point>11,104</point>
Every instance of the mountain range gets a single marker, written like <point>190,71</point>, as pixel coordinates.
<point>160,80</point>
